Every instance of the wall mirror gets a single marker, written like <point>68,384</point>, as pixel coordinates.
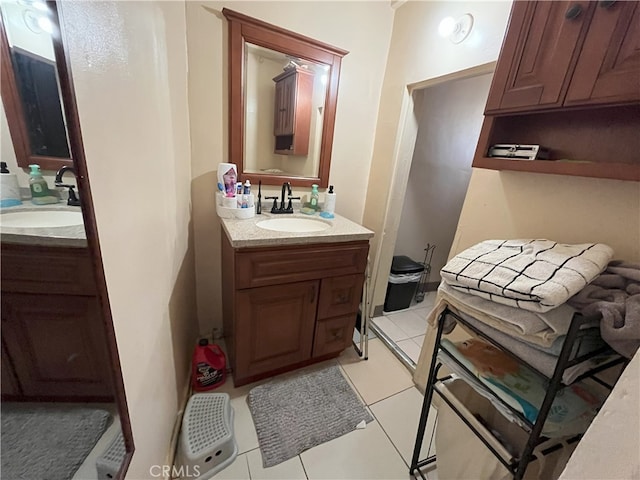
<point>283,90</point>
<point>30,86</point>
<point>61,376</point>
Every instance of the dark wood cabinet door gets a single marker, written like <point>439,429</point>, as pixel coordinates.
<point>274,327</point>
<point>608,70</point>
<point>285,105</point>
<point>538,55</point>
<point>9,382</point>
<point>56,344</point>
<point>340,296</point>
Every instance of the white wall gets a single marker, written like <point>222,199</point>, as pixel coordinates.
<point>417,53</point>
<point>362,28</point>
<point>451,116</point>
<point>130,73</point>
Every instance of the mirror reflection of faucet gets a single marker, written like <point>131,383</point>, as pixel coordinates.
<point>73,200</point>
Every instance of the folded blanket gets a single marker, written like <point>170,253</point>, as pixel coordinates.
<point>535,275</point>
<point>545,361</point>
<point>614,296</point>
<point>541,329</point>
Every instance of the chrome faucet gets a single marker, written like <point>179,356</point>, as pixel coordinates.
<point>73,199</point>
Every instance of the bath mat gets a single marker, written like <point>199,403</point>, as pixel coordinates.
<point>48,441</point>
<point>294,414</point>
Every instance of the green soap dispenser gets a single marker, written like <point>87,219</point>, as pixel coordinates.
<point>40,193</point>
<point>313,203</point>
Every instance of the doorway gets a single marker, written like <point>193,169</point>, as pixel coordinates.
<point>449,116</point>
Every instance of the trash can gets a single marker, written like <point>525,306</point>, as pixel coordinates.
<point>403,280</point>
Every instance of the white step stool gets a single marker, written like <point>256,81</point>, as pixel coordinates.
<point>206,438</point>
<point>110,461</point>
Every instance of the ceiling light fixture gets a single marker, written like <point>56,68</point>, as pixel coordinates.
<point>456,30</point>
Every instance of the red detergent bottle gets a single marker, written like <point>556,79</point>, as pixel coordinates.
<point>209,367</point>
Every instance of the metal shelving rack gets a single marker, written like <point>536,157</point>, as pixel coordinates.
<point>567,358</point>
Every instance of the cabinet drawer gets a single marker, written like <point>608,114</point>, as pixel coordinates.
<point>272,266</point>
<point>333,335</point>
<point>340,295</point>
<point>36,269</point>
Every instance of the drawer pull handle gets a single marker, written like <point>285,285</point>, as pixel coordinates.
<point>313,294</point>
<point>607,3</point>
<point>573,12</point>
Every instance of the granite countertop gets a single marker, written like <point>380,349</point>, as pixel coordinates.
<point>245,232</point>
<point>57,236</point>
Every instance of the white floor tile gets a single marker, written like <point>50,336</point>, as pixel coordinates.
<point>419,340</point>
<point>238,470</point>
<point>379,377</point>
<point>410,348</point>
<point>410,322</point>
<point>361,454</point>
<point>390,329</point>
<point>289,470</point>
<point>399,416</point>
<point>244,430</point>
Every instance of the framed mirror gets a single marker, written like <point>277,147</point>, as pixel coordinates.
<point>31,88</point>
<point>283,90</point>
<point>61,375</point>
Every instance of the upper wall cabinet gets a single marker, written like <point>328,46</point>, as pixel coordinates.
<point>567,53</point>
<point>568,80</point>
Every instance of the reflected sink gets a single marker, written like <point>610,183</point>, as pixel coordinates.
<point>294,225</point>
<point>41,219</point>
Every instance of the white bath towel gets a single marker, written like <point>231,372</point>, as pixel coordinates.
<point>535,275</point>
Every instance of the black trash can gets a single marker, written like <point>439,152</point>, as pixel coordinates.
<point>403,280</point>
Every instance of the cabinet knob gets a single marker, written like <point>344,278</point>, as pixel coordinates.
<point>573,11</point>
<point>607,3</point>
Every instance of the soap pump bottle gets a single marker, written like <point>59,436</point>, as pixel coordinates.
<point>313,203</point>
<point>330,201</point>
<point>40,193</point>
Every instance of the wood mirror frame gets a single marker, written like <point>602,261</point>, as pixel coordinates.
<point>244,29</point>
<point>15,113</point>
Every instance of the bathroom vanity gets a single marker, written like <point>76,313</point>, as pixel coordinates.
<point>289,298</point>
<point>53,340</point>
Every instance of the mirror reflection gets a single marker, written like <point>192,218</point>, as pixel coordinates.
<point>60,385</point>
<point>284,113</point>
<point>38,127</point>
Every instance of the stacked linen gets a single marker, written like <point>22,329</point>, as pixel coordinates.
<point>514,291</point>
<point>534,275</point>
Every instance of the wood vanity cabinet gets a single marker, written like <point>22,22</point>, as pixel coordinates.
<point>568,79</point>
<point>286,307</point>
<point>292,115</point>
<point>53,340</point>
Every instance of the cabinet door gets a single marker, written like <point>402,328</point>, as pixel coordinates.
<point>285,105</point>
<point>57,345</point>
<point>340,296</point>
<point>9,382</point>
<point>538,55</point>
<point>608,71</point>
<point>274,327</point>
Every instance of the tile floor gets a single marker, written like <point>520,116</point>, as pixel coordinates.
<point>380,451</point>
<point>406,328</point>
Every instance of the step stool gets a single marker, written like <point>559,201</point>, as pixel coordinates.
<point>110,461</point>
<point>206,438</point>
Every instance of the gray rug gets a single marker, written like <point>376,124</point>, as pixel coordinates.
<point>294,414</point>
<point>48,442</point>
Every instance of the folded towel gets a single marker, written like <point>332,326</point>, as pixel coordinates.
<point>614,296</point>
<point>538,328</point>
<point>535,275</point>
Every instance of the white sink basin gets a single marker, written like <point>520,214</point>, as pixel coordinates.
<point>294,225</point>
<point>41,219</point>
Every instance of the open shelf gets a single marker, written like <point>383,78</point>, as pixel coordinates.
<point>615,171</point>
<point>598,142</point>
